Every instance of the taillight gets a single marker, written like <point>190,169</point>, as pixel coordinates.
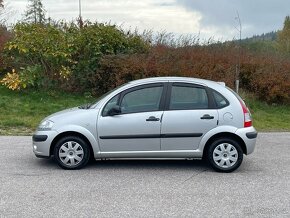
<point>247,115</point>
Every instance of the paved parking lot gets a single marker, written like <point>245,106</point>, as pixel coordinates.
<point>31,187</point>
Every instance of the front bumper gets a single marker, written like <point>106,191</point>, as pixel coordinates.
<point>41,142</point>
<point>249,135</point>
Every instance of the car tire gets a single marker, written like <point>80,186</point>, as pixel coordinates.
<point>71,153</point>
<point>224,155</point>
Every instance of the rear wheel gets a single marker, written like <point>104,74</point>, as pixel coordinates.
<point>225,155</point>
<point>71,152</point>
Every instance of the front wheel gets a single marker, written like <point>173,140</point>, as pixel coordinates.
<point>225,155</point>
<point>71,153</point>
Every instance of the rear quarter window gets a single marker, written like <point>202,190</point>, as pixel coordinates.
<point>219,99</point>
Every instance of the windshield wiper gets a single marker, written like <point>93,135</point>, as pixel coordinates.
<point>85,106</point>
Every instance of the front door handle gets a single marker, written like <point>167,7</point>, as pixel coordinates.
<point>152,118</point>
<point>207,117</point>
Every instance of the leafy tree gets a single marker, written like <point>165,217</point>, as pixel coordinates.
<point>35,12</point>
<point>284,36</point>
<point>1,9</point>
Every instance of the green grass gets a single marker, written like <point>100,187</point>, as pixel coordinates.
<point>268,117</point>
<point>21,112</point>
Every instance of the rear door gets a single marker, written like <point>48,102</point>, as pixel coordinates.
<point>189,115</point>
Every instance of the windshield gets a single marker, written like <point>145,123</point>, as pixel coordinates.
<point>89,105</point>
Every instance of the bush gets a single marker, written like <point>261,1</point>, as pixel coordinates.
<point>63,55</point>
<point>97,57</point>
<point>38,53</point>
<point>267,76</point>
<point>4,37</point>
<point>94,41</point>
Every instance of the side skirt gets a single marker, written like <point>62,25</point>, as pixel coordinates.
<point>152,154</point>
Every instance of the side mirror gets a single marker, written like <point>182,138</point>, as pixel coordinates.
<point>114,110</point>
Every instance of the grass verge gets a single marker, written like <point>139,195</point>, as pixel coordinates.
<point>268,117</point>
<point>21,112</point>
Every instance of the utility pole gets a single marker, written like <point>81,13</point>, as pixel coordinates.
<point>80,8</point>
<point>238,67</point>
<point>80,14</point>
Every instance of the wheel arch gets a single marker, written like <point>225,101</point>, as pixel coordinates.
<point>70,133</point>
<point>225,135</point>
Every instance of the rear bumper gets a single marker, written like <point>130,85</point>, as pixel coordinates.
<point>249,136</point>
<point>252,135</point>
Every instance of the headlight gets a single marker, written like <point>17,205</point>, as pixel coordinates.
<point>45,125</point>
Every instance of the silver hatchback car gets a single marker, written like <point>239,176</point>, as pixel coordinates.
<point>164,117</point>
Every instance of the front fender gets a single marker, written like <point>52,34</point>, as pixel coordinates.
<point>86,133</point>
<point>212,132</point>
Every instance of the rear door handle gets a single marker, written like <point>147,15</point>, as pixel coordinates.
<point>207,117</point>
<point>152,118</point>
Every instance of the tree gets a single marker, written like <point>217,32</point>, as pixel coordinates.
<point>284,36</point>
<point>35,12</point>
<point>1,6</point>
<point>1,13</point>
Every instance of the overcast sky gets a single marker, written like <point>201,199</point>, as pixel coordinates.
<point>209,18</point>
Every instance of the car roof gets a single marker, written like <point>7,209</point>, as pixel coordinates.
<point>177,79</point>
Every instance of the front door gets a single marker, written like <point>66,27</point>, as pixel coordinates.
<point>137,127</point>
<point>187,117</point>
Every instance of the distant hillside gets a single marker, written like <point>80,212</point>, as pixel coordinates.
<point>271,36</point>
<point>265,42</point>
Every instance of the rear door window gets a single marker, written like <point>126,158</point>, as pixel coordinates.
<point>188,98</point>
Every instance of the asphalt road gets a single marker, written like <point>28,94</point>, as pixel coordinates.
<point>32,187</point>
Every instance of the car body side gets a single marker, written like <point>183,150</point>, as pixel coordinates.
<point>84,123</point>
